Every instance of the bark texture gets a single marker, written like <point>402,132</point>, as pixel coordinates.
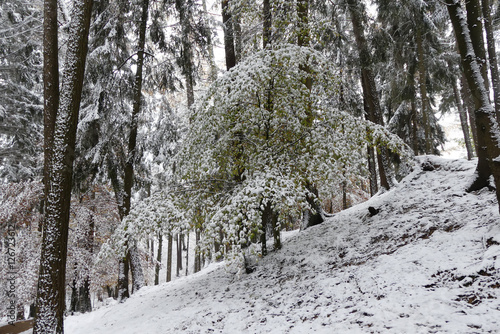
<point>486,123</point>
<point>50,300</point>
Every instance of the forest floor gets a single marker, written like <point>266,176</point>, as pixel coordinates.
<point>428,262</point>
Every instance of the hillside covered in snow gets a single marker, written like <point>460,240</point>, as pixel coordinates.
<point>427,262</point>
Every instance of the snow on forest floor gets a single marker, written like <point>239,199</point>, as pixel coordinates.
<point>428,262</point>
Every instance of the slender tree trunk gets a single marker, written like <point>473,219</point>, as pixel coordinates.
<point>276,230</point>
<point>414,128</point>
<point>373,171</point>
<point>178,243</point>
<point>369,87</point>
<point>187,254</point>
<point>492,54</point>
<point>422,78</point>
<point>267,23</point>
<point>184,10</point>
<point>169,257</point>
<point>463,120</point>
<point>469,107</point>
<point>210,46</point>
<point>128,179</point>
<point>50,300</point>
<point>197,256</point>
<point>158,259</point>
<point>227,22</point>
<point>486,124</point>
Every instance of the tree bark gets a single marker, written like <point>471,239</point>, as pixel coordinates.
<point>169,257</point>
<point>50,300</point>
<point>184,11</point>
<point>266,24</point>
<point>227,22</point>
<point>50,89</point>
<point>469,107</point>
<point>492,54</point>
<point>475,25</point>
<point>422,78</point>
<point>369,87</point>
<point>158,259</point>
<point>463,120</point>
<point>128,179</point>
<point>210,46</point>
<point>486,123</point>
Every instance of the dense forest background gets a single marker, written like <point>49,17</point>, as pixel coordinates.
<point>132,128</point>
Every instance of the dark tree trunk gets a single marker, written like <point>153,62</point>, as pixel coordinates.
<point>210,46</point>
<point>469,107</point>
<point>463,120</point>
<point>475,25</point>
<point>492,54</point>
<point>414,126</point>
<point>372,168</point>
<point>184,11</point>
<point>158,259</point>
<point>179,254</point>
<point>197,256</point>
<point>267,23</point>
<point>369,87</point>
<point>423,93</point>
<point>486,124</point>
<point>128,179</point>
<point>227,21</point>
<point>50,300</point>
<point>169,257</point>
<point>50,88</point>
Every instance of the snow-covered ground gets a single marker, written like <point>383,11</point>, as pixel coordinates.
<point>428,262</point>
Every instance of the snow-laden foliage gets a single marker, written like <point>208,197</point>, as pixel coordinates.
<point>19,213</point>
<point>94,217</point>
<point>21,99</point>
<point>261,136</point>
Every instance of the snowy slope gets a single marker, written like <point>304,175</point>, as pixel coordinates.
<point>428,262</point>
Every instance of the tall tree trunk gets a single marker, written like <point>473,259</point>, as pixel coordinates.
<point>187,253</point>
<point>197,256</point>
<point>184,10</point>
<point>486,124</point>
<point>372,168</point>
<point>469,107</point>
<point>50,299</point>
<point>463,120</point>
<point>475,25</point>
<point>266,24</point>
<point>414,126</point>
<point>210,46</point>
<point>50,89</point>
<point>227,22</point>
<point>178,243</point>
<point>369,87</point>
<point>158,259</point>
<point>128,179</point>
<point>422,78</point>
<point>169,257</point>
<point>492,54</point>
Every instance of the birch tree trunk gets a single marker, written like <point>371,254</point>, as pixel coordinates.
<point>50,300</point>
